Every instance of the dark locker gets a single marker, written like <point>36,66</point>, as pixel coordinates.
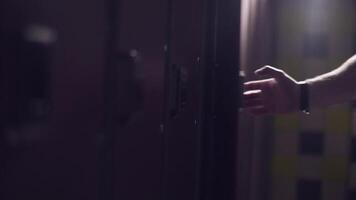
<point>156,153</point>
<point>201,137</point>
<point>138,103</point>
<point>223,90</point>
<point>54,157</point>
<point>138,148</point>
<point>184,99</point>
<point>187,129</point>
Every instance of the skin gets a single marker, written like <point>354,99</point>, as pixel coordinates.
<point>278,93</point>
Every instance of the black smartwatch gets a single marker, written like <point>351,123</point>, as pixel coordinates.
<point>304,98</point>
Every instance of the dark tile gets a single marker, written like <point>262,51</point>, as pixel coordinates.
<point>352,195</point>
<point>311,143</point>
<point>316,46</point>
<point>353,149</point>
<point>309,190</point>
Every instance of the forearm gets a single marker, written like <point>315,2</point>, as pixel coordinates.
<point>335,87</point>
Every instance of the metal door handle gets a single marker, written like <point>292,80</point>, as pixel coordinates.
<point>178,90</point>
<point>241,79</point>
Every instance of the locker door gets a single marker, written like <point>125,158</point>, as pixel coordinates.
<point>223,88</point>
<point>184,95</point>
<point>138,144</point>
<point>54,157</point>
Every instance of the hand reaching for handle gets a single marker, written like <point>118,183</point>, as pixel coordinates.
<point>276,93</point>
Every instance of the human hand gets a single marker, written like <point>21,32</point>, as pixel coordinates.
<point>276,94</point>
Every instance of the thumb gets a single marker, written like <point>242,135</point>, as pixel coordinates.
<point>269,71</point>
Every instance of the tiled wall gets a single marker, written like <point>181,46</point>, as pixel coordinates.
<point>314,156</point>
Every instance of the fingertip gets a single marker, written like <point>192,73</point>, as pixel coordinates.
<point>247,83</point>
<point>252,93</point>
<point>257,72</point>
<point>261,70</point>
<point>248,86</point>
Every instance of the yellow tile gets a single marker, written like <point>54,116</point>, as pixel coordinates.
<point>335,168</point>
<point>336,145</point>
<point>338,120</point>
<point>286,144</point>
<point>284,166</point>
<point>286,124</point>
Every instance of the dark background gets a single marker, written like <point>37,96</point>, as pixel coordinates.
<point>121,99</point>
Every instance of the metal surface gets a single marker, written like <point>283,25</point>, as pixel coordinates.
<point>56,158</point>
<point>219,154</point>
<point>182,135</point>
<point>139,142</point>
<point>107,137</point>
<point>144,102</point>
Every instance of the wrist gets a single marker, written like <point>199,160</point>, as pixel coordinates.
<point>304,97</point>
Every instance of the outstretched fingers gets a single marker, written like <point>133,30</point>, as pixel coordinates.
<point>257,96</point>
<point>254,103</point>
<point>252,85</point>
<point>259,110</point>
<point>252,98</point>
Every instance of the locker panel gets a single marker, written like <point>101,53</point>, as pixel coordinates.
<point>222,89</point>
<point>221,172</point>
<point>139,145</point>
<point>56,158</point>
<point>183,100</point>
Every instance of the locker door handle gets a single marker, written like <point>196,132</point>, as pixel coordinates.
<point>177,90</point>
<point>241,79</point>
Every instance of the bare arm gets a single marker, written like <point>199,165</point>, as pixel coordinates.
<point>280,93</point>
<point>335,87</point>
